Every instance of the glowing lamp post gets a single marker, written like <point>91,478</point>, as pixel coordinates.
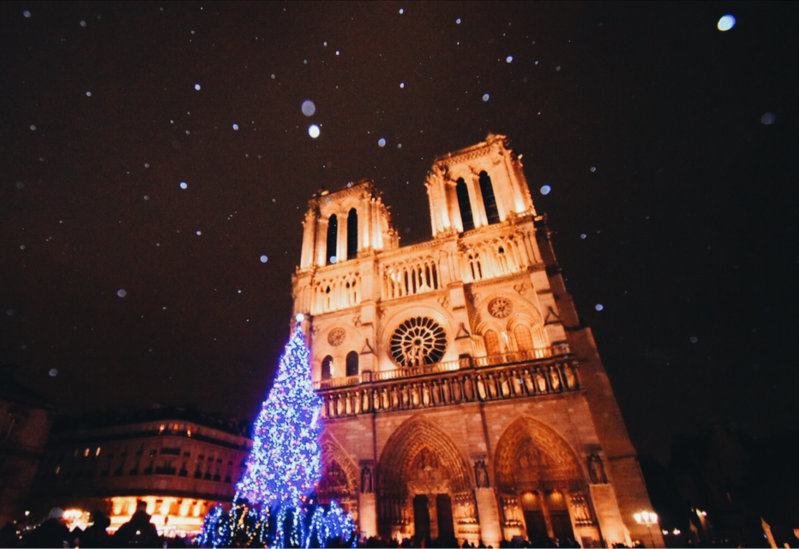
<point>649,520</point>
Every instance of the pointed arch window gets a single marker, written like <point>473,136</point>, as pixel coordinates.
<point>489,200</point>
<point>524,339</point>
<point>352,234</point>
<point>492,343</point>
<point>352,364</point>
<point>332,239</point>
<point>465,205</point>
<point>327,368</point>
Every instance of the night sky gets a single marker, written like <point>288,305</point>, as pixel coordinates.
<point>669,147</point>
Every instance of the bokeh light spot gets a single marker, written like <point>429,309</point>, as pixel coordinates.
<point>314,131</point>
<point>308,108</point>
<point>546,189</point>
<point>726,22</point>
<point>381,142</point>
<point>599,307</point>
<point>485,97</point>
<point>122,293</point>
<point>183,185</point>
<point>264,259</point>
<point>768,119</point>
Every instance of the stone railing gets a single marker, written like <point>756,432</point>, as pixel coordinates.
<point>447,383</point>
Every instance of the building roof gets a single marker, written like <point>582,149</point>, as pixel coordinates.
<point>97,420</point>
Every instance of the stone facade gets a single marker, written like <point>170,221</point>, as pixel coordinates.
<point>180,462</point>
<point>463,397</point>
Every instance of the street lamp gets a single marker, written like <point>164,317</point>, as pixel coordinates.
<point>648,519</point>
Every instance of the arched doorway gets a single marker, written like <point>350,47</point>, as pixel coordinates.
<point>340,475</point>
<point>541,485</point>
<point>425,487</point>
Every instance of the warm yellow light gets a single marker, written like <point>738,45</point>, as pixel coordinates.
<point>646,518</point>
<point>97,453</point>
<point>676,532</point>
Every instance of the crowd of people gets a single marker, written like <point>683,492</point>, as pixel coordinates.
<point>53,532</point>
<point>140,533</point>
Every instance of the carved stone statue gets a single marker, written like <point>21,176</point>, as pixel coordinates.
<point>366,480</point>
<point>597,470</point>
<point>481,474</point>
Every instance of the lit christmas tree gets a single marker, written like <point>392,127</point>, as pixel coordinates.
<point>286,460</point>
<point>284,466</point>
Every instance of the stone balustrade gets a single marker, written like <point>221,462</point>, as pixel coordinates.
<point>447,383</point>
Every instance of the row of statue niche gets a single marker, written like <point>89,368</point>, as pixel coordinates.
<point>448,390</point>
<point>596,469</point>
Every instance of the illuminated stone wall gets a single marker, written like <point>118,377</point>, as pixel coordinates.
<point>462,395</point>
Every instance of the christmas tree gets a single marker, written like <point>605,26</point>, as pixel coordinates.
<point>271,505</point>
<point>286,461</point>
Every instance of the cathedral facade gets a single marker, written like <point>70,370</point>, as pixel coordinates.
<point>463,398</point>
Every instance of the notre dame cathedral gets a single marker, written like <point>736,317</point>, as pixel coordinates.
<point>463,398</point>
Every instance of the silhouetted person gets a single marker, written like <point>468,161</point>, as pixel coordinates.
<point>96,535</point>
<point>138,531</point>
<point>53,532</point>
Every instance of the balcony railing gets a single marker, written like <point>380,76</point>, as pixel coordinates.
<point>508,376</point>
<point>439,367</point>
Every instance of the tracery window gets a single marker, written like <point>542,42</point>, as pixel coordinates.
<point>524,339</point>
<point>418,340</point>
<point>492,342</point>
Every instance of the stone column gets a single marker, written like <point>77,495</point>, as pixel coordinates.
<point>341,238</point>
<point>367,514</point>
<point>488,516</point>
<point>321,242</point>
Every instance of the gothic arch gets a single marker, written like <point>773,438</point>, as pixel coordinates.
<point>414,442</point>
<point>340,476</point>
<point>420,460</point>
<point>532,455</point>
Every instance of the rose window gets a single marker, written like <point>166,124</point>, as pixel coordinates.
<point>336,337</point>
<point>500,307</point>
<point>418,340</point>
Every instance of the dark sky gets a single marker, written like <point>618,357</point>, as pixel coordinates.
<point>670,148</point>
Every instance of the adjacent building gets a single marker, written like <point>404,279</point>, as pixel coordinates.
<point>25,421</point>
<point>463,397</point>
<point>180,461</point>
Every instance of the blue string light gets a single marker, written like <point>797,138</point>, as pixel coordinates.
<point>283,469</point>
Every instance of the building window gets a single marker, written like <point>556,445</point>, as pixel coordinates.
<point>352,234</point>
<point>465,205</point>
<point>332,239</point>
<point>489,200</point>
<point>492,343</point>
<point>327,368</point>
<point>352,364</point>
<point>524,339</point>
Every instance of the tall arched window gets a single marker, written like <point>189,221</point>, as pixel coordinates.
<point>327,368</point>
<point>524,339</point>
<point>492,343</point>
<point>465,205</point>
<point>489,200</point>
<point>352,364</point>
<point>352,234</point>
<point>332,239</point>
